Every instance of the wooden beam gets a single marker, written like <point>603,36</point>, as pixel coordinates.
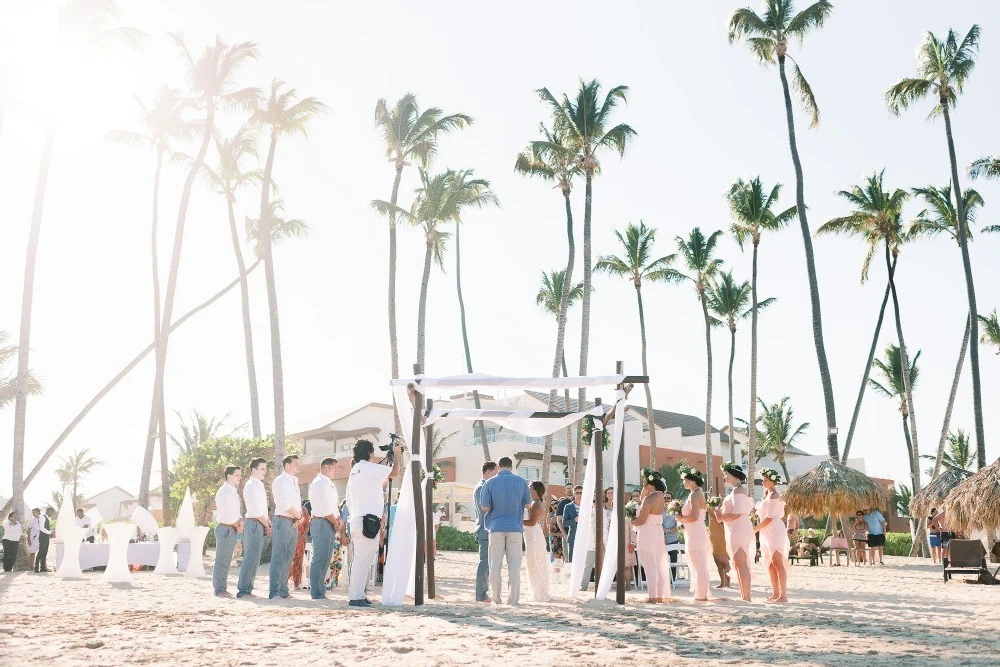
<point>620,510</point>
<point>597,451</point>
<point>417,399</point>
<point>429,505</point>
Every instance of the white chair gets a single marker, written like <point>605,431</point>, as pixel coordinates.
<point>118,534</point>
<point>680,567</point>
<point>168,539</point>
<point>72,539</point>
<point>195,564</point>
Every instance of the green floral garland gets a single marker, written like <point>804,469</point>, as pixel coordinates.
<point>438,476</point>
<point>587,433</point>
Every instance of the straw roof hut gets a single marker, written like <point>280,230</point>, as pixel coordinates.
<point>832,488</point>
<point>975,503</point>
<point>937,490</point>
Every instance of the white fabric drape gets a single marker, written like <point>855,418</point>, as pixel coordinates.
<point>476,380</point>
<point>610,565</point>
<point>523,422</point>
<point>583,541</point>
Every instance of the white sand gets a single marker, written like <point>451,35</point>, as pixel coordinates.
<point>901,612</point>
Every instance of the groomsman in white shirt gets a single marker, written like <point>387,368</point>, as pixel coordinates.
<point>325,525</point>
<point>85,522</point>
<point>256,525</point>
<point>230,524</point>
<point>287,515</point>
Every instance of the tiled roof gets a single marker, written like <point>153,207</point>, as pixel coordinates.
<point>689,424</point>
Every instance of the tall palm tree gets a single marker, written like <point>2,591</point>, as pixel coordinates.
<point>227,179</point>
<point>877,219</point>
<point>636,263</point>
<point>767,38</point>
<point>728,300</point>
<point>552,293</point>
<point>586,123</point>
<point>211,83</point>
<point>943,67</point>
<point>8,383</point>
<point>409,135</point>
<point>73,467</point>
<point>83,24</point>
<point>698,253</point>
<point>751,206</point>
<point>941,216</point>
<point>960,454</point>
<point>894,385</point>
<point>552,158</point>
<point>280,114</point>
<point>470,193</point>
<point>196,430</point>
<point>777,435</point>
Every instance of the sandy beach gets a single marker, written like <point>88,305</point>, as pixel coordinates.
<point>901,612</point>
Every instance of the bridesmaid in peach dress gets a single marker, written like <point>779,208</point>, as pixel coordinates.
<point>735,516</point>
<point>698,549</point>
<point>774,543</point>
<point>649,541</point>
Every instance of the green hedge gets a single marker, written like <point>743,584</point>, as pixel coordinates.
<point>452,539</point>
<point>898,544</point>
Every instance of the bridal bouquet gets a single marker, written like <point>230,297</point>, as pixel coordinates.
<point>631,510</point>
<point>714,502</point>
<point>674,507</point>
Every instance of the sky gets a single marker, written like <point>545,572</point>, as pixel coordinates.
<point>706,114</point>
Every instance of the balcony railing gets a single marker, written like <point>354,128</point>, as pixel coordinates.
<point>511,436</point>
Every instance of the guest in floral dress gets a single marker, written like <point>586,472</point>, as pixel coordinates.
<point>295,574</point>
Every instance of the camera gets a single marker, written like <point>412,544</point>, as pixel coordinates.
<point>392,441</point>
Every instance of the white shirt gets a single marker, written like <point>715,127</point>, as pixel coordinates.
<point>42,523</point>
<point>33,528</point>
<point>324,497</point>
<point>437,517</point>
<point>364,489</point>
<point>285,490</point>
<point>12,531</point>
<point>85,522</point>
<point>227,504</point>
<point>255,496</point>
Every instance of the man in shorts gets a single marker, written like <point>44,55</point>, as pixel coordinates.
<point>876,534</point>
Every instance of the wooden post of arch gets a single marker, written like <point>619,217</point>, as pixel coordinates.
<point>417,399</point>
<point>620,507</point>
<point>429,506</point>
<point>597,451</point>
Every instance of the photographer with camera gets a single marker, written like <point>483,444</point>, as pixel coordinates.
<point>366,504</point>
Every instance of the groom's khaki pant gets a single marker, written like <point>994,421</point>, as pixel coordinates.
<point>506,545</point>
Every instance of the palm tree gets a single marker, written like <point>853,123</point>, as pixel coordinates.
<point>74,467</point>
<point>196,431</point>
<point>751,204</point>
<point>877,218</point>
<point>767,39</point>
<point>728,300</point>
<point>82,24</point>
<point>553,291</point>
<point>941,216</point>
<point>943,67</point>
<point>552,158</point>
<point>987,167</point>
<point>281,113</point>
<point>777,435</point>
<point>991,330</point>
<point>8,383</point>
<point>698,253</point>
<point>585,123</point>
<point>229,177</point>
<point>960,453</point>
<point>409,135</point>
<point>636,263</point>
<point>892,386</point>
<point>470,193</point>
<point>211,82</point>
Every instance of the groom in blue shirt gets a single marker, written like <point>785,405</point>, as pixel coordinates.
<point>482,535</point>
<point>503,501</point>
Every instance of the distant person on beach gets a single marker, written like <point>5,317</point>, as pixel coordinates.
<point>287,516</point>
<point>698,549</point>
<point>483,535</point>
<point>44,537</point>
<point>876,534</point>
<point>717,536</point>
<point>302,535</point>
<point>939,525</point>
<point>85,522</point>
<point>366,504</point>
<point>671,534</point>
<point>792,523</point>
<point>34,531</point>
<point>563,530</point>
<point>504,500</point>
<point>256,525</point>
<point>11,541</point>
<point>570,519</point>
<point>534,545</point>
<point>735,516</point>
<point>326,525</point>
<point>860,536</point>
<point>934,537</point>
<point>649,541</point>
<point>230,524</point>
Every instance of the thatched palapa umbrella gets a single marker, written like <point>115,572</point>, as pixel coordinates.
<point>934,494</point>
<point>975,503</point>
<point>832,488</point>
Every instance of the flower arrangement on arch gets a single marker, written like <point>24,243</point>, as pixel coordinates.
<point>587,433</point>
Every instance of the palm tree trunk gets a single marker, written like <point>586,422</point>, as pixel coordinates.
<point>585,324</point>
<point>732,357</point>
<point>247,328</point>
<point>817,316</point>
<point>24,341</point>
<point>909,448</point>
<point>970,287</point>
<point>113,382</point>
<point>868,371</point>
<point>560,354</point>
<point>752,444</point>
<point>905,364</point>
<point>393,343</point>
<point>951,396</point>
<point>277,373</point>
<point>708,393</point>
<point>168,304</point>
<point>477,425</point>
<point>422,304</point>
<point>784,468</point>
<point>645,371</point>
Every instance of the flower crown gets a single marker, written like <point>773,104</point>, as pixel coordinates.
<point>731,467</point>
<point>650,475</point>
<point>770,474</point>
<point>685,470</point>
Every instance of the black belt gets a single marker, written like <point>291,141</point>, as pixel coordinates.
<point>286,518</point>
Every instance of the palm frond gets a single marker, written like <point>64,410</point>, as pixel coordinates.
<point>805,93</point>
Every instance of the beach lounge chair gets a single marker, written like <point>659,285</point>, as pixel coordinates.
<point>965,557</point>
<point>834,545</point>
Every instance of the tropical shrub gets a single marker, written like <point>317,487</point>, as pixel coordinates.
<point>452,539</point>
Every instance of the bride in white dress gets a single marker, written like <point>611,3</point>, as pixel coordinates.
<point>534,540</point>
